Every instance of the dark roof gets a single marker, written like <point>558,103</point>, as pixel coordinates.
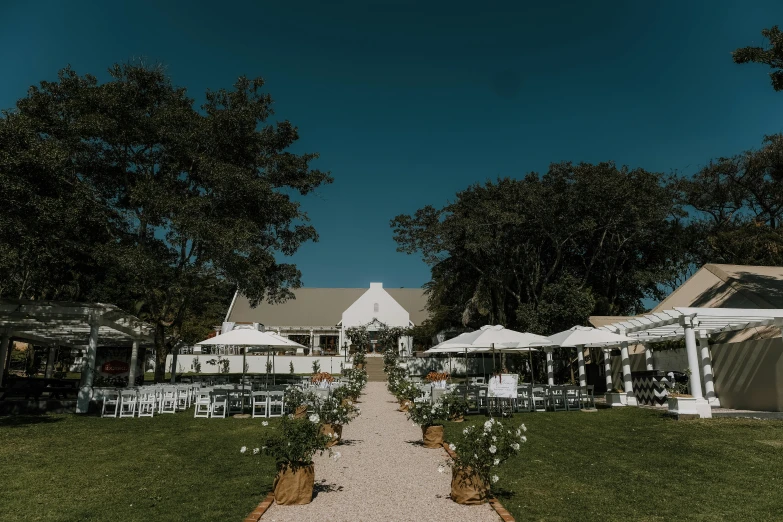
<point>321,307</point>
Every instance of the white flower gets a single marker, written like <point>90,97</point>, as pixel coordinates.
<point>493,449</point>
<point>496,462</point>
<point>265,423</point>
<point>465,431</point>
<point>475,456</point>
<point>495,478</point>
<point>337,455</point>
<point>494,439</point>
<point>452,447</point>
<point>243,449</point>
<point>441,469</point>
<point>256,451</point>
<point>523,438</point>
<point>519,433</point>
<point>515,446</point>
<point>488,425</point>
<point>314,418</point>
<point>524,428</point>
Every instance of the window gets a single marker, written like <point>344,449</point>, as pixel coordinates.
<point>375,308</point>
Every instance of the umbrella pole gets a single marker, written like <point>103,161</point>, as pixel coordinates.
<point>266,381</point>
<point>273,368</point>
<point>244,356</point>
<point>466,373</point>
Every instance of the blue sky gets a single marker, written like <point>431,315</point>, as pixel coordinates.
<point>408,104</point>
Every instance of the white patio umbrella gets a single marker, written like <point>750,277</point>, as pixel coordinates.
<point>581,336</point>
<point>250,337</point>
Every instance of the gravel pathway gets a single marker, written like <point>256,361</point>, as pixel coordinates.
<point>382,474</point>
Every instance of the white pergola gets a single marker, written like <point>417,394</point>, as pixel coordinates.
<point>72,325</point>
<point>695,325</point>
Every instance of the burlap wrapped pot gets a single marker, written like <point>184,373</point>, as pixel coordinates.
<point>300,411</point>
<point>334,431</point>
<point>432,436</point>
<point>467,488</point>
<point>404,405</point>
<point>294,485</point>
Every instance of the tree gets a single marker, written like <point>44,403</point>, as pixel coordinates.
<point>771,55</point>
<point>548,250</point>
<point>737,207</point>
<point>198,202</point>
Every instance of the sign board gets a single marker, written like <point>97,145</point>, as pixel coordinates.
<point>115,367</point>
<point>504,386</point>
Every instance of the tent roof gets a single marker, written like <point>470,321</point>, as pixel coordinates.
<point>68,323</point>
<point>668,325</point>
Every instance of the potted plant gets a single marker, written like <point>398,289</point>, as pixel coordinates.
<point>293,447</point>
<point>334,414</point>
<point>456,405</point>
<point>357,379</point>
<point>616,397</point>
<point>359,360</point>
<point>298,400</point>
<point>407,391</point>
<point>476,453</point>
<point>430,418</point>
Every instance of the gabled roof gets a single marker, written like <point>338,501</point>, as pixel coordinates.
<point>321,307</point>
<point>725,286</point>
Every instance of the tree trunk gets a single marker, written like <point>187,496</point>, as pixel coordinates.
<point>160,353</point>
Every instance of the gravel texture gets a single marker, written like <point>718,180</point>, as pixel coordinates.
<point>383,474</point>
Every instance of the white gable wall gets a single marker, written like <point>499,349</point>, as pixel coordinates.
<point>375,303</point>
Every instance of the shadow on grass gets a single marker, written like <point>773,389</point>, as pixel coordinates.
<point>419,443</point>
<point>503,494</point>
<point>323,487</point>
<point>14,421</point>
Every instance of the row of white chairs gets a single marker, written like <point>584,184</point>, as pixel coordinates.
<point>146,401</point>
<point>216,403</point>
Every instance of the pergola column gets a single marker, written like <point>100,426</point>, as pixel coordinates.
<point>5,342</point>
<point>627,378</point>
<point>693,358</point>
<point>50,361</point>
<point>608,370</point>
<point>705,360</point>
<point>648,357</point>
<point>88,368</point>
<point>134,361</point>
<point>550,372</point>
<point>580,357</point>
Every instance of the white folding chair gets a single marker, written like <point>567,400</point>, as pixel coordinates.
<point>183,401</point>
<point>111,401</point>
<point>573,398</point>
<point>260,404</point>
<point>168,402</point>
<point>539,398</point>
<point>276,403</point>
<point>148,402</point>
<point>587,398</point>
<point>219,407</point>
<point>128,403</point>
<point>557,398</point>
<point>203,404</point>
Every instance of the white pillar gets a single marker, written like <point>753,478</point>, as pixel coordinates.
<point>580,357</point>
<point>706,368</point>
<point>50,361</point>
<point>648,357</point>
<point>627,379</point>
<point>5,342</point>
<point>88,369</point>
<point>693,359</point>
<point>608,370</point>
<point>134,361</point>
<point>550,372</point>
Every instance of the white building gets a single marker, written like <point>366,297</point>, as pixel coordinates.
<point>319,317</point>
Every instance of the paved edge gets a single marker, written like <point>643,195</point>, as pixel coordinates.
<point>495,503</point>
<point>260,509</point>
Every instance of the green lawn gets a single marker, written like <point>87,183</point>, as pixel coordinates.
<point>633,464</point>
<point>170,467</point>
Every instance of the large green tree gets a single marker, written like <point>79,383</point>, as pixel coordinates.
<point>770,55</point>
<point>198,202</point>
<point>546,251</point>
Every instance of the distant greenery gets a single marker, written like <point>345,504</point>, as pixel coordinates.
<point>170,467</point>
<point>633,464</point>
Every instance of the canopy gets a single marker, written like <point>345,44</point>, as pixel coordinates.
<point>250,337</point>
<point>587,336</point>
<point>492,336</point>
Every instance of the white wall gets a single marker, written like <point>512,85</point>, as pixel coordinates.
<point>362,311</point>
<point>256,363</point>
